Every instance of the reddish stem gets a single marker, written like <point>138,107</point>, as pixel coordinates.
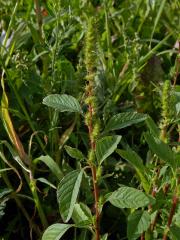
<point>171,214</point>
<point>142,237</point>
<point>96,197</point>
<point>93,171</point>
<point>153,224</point>
<point>173,208</point>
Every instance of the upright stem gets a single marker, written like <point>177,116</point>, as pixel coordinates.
<point>142,237</point>
<point>93,171</point>
<point>39,17</point>
<point>171,214</point>
<point>175,198</point>
<point>45,58</point>
<point>20,205</point>
<point>32,185</point>
<point>96,197</point>
<point>177,66</point>
<point>91,119</point>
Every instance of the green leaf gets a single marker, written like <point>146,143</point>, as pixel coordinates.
<point>82,215</point>
<point>161,149</point>
<point>122,120</point>
<point>175,231</point>
<point>134,159</point>
<point>138,222</point>
<point>178,108</point>
<point>127,197</point>
<point>52,165</point>
<point>43,180</point>
<point>84,234</point>
<point>62,103</point>
<point>104,237</point>
<point>67,193</point>
<point>3,199</point>
<point>74,153</point>
<point>55,231</point>
<point>152,127</point>
<point>2,207</point>
<point>144,59</point>
<point>176,218</point>
<point>162,5</point>
<point>4,192</point>
<point>106,146</point>
<point>15,155</point>
<point>66,134</point>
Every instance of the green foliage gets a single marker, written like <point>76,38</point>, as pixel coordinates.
<point>162,150</point>
<point>82,216</point>
<point>90,121</point>
<point>123,120</point>
<point>127,197</point>
<point>138,223</point>
<point>62,103</point>
<point>137,163</point>
<point>51,164</point>
<point>74,153</point>
<point>106,146</point>
<point>55,231</point>
<point>3,199</point>
<point>67,193</point>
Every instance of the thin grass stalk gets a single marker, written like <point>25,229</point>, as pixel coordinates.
<point>20,205</point>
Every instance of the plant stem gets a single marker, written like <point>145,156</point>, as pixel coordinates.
<point>175,198</point>
<point>28,118</point>
<point>142,237</point>
<point>39,17</point>
<point>20,205</point>
<point>32,185</point>
<point>92,166</point>
<point>96,197</point>
<point>45,58</point>
<point>109,45</point>
<point>94,177</point>
<point>177,66</point>
<point>91,116</point>
<point>171,214</point>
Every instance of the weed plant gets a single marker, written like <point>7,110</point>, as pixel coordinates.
<point>90,120</point>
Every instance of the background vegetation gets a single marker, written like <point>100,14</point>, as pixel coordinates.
<point>90,119</point>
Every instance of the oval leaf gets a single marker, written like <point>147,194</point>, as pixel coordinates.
<point>127,197</point>
<point>62,103</point>
<point>106,146</point>
<point>67,193</point>
<point>138,222</point>
<point>55,231</point>
<point>122,120</point>
<point>74,152</point>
